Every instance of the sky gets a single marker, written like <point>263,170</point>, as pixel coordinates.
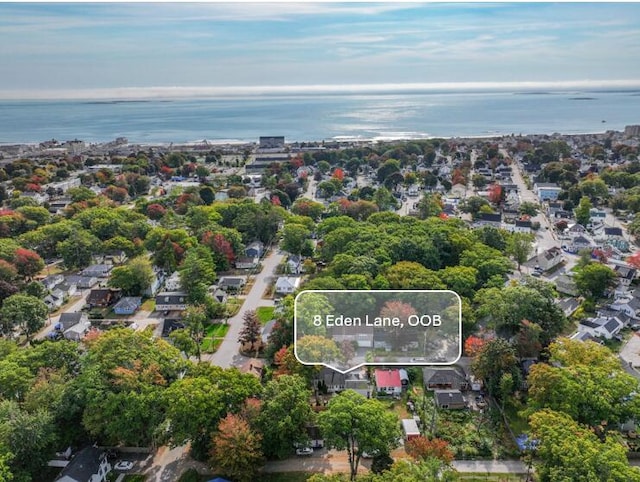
<point>131,49</point>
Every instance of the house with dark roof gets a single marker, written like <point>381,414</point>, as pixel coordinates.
<point>489,219</point>
<point>522,226</point>
<point>246,262</point>
<point>626,274</point>
<point>127,305</point>
<point>449,399</point>
<point>438,378</point>
<point>103,297</point>
<point>255,249</point>
<point>606,327</point>
<point>171,301</point>
<point>613,232</point>
<point>566,285</point>
<point>88,465</point>
<point>579,243</point>
<point>388,381</point>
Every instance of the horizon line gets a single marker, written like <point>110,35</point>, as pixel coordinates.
<point>195,92</point>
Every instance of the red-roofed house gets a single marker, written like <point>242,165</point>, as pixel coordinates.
<point>388,381</point>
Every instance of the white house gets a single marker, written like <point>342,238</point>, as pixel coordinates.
<point>388,381</point>
<point>629,305</point>
<point>547,191</point>
<point>550,258</point>
<point>287,284</point>
<point>171,300</point>
<point>89,465</point>
<point>606,327</point>
<point>172,283</point>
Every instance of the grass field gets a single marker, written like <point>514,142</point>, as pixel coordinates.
<point>213,336</point>
<point>265,313</point>
<point>149,305</point>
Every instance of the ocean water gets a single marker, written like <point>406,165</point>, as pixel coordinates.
<point>319,117</point>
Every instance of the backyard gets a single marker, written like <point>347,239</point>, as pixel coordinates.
<point>265,314</point>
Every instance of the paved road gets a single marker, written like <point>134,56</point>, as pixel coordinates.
<point>72,307</point>
<point>227,354</point>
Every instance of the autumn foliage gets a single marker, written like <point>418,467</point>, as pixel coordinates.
<point>236,449</point>
<point>421,448</point>
<point>634,260</point>
<point>473,345</point>
<point>495,193</point>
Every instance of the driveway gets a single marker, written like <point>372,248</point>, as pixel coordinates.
<point>71,307</point>
<point>227,354</point>
<point>630,353</point>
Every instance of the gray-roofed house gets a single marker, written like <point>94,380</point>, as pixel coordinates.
<point>51,281</point>
<point>127,305</point>
<point>626,274</point>
<point>97,270</point>
<point>232,283</point>
<point>89,465</point>
<point>171,301</point>
<point>580,242</point>
<point>569,306</point>
<point>74,325</point>
<point>550,258</point>
<point>565,284</point>
<point>329,380</point>
<point>444,378</point>
<point>246,262</point>
<point>82,282</point>
<point>410,429</point>
<point>489,219</point>
<point>287,284</point>
<point>450,399</point>
<point>55,299</point>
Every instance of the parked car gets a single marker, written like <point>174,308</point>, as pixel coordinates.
<point>304,451</point>
<point>123,465</point>
<point>370,455</point>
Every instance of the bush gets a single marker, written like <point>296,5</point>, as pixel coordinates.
<point>190,475</point>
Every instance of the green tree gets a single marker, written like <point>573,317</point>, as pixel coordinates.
<point>77,249</point>
<point>583,211</point>
<point>197,273</point>
<point>284,415</point>
<point>496,358</point>
<point>356,424</point>
<point>133,278</point>
<point>585,381</point>
<point>24,311</point>
<point>593,279</point>
<point>528,208</point>
<point>461,279</point>
<point>520,246</point>
<point>567,452</point>
<point>294,237</point>
<point>409,275</point>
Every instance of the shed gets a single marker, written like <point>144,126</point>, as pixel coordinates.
<point>410,428</point>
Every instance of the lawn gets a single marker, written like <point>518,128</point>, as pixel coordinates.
<point>233,306</point>
<point>149,305</point>
<point>265,313</point>
<point>213,336</point>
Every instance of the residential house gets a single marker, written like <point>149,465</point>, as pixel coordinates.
<point>569,306</point>
<point>601,327</point>
<point>232,283</point>
<point>294,264</point>
<point>156,283</point>
<point>127,305</point>
<point>103,297</point>
<point>522,226</point>
<point>247,262</point>
<point>88,465</point>
<point>97,271</point>
<point>171,301</point>
<point>255,249</point>
<point>547,191</point>
<point>410,429</point>
<point>57,206</point>
<point>329,381</point>
<point>576,230</point>
<point>566,285</point>
<point>489,219</point>
<point>550,258</point>
<point>438,378</point>
<point>82,282</point>
<point>74,325</point>
<point>67,289</point>
<point>172,283</point>
<point>113,257</point>
<point>629,305</point>
<point>449,399</point>
<point>51,281</point>
<point>613,232</point>
<point>287,284</point>
<point>55,299</point>
<point>626,274</point>
<point>388,381</point>
<point>219,295</point>
<point>583,336</point>
<point>579,243</point>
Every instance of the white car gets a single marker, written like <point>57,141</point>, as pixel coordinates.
<point>123,465</point>
<point>304,451</point>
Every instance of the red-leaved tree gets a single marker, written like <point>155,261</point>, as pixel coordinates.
<point>236,450</point>
<point>421,448</point>
<point>156,211</point>
<point>473,345</point>
<point>28,263</point>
